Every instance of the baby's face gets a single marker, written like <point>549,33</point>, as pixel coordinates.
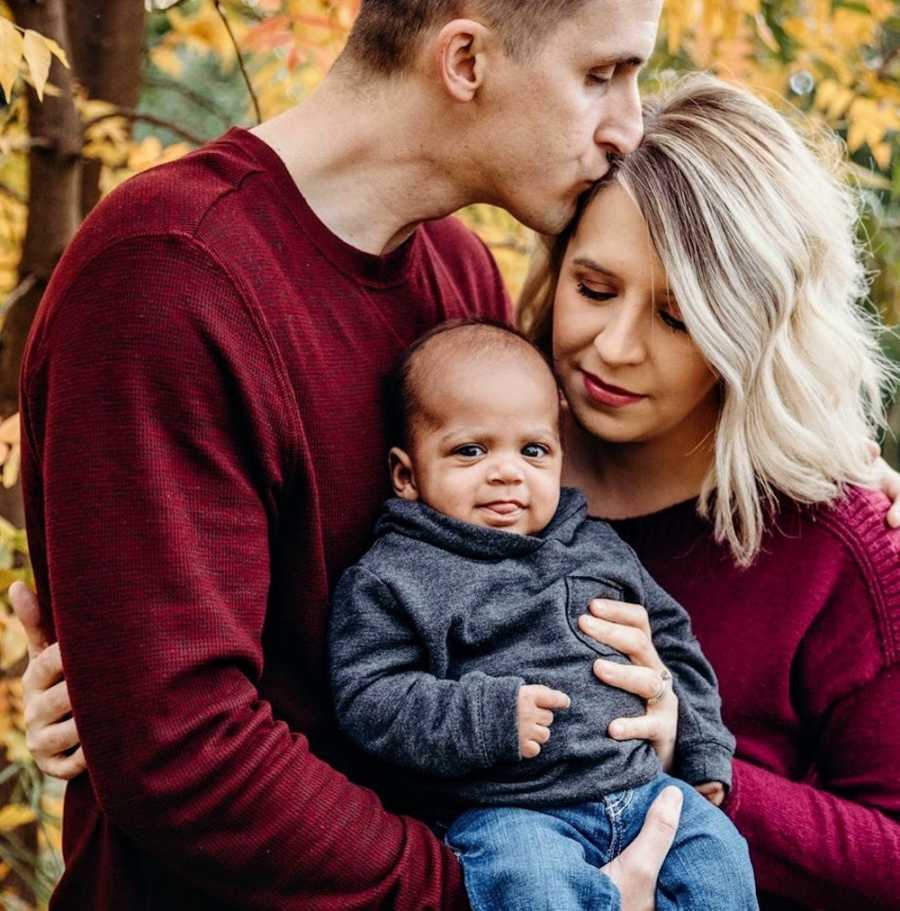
<point>491,453</point>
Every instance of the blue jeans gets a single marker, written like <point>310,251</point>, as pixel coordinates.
<point>515,859</point>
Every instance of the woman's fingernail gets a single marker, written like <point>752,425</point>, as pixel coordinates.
<point>616,730</point>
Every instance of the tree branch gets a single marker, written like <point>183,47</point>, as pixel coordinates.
<point>221,11</point>
<point>130,114</point>
<point>200,100</point>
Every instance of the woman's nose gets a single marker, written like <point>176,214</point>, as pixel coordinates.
<point>621,340</point>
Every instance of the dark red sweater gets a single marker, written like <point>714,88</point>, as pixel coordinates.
<point>806,645</point>
<point>203,455</point>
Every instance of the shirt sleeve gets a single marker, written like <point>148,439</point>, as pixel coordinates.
<point>391,706</point>
<point>158,441</point>
<point>704,746</point>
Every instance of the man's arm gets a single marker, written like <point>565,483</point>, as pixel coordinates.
<point>389,703</point>
<point>153,466</point>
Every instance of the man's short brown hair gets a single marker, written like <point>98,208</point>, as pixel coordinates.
<point>387,33</point>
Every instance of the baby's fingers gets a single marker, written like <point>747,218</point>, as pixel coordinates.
<point>546,698</point>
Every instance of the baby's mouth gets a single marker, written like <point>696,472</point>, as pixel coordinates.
<point>504,507</point>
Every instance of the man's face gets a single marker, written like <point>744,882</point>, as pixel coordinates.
<point>492,455</point>
<point>551,123</point>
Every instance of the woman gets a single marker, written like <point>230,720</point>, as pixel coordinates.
<point>722,433</point>
<point>722,384</point>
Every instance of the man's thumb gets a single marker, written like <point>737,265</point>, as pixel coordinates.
<point>660,825</point>
<point>25,605</point>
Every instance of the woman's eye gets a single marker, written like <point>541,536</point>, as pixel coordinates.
<point>469,451</point>
<point>593,294</point>
<point>672,322</point>
<point>535,451</point>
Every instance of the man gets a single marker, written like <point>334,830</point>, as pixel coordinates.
<point>204,447</point>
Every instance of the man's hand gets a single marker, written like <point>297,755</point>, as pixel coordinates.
<point>636,869</point>
<point>713,791</point>
<point>50,731</point>
<point>888,482</point>
<point>535,716</point>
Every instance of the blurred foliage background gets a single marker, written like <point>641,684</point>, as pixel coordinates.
<point>97,90</point>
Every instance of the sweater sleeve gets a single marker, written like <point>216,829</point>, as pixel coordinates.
<point>704,747</point>
<point>391,706</point>
<point>158,440</point>
<point>832,841</point>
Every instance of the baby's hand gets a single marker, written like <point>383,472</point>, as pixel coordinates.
<point>535,717</point>
<point>713,791</point>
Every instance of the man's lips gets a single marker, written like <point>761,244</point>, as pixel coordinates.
<point>607,394</point>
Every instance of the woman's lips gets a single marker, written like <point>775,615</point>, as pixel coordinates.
<point>605,394</point>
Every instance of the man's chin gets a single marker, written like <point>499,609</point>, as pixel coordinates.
<point>550,220</point>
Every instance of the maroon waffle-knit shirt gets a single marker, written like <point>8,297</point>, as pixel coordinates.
<point>203,454</point>
<point>806,647</point>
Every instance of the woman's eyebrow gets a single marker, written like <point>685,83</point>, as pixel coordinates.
<point>592,264</point>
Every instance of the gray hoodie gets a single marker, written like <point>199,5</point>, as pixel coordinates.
<point>435,629</point>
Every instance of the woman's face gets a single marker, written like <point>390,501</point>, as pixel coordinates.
<point>630,371</point>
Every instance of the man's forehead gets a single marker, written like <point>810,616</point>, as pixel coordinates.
<point>620,31</point>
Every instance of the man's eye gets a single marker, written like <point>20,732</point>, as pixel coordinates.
<point>535,451</point>
<point>469,451</point>
<point>592,293</point>
<point>600,77</point>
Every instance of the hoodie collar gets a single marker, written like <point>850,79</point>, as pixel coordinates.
<point>414,519</point>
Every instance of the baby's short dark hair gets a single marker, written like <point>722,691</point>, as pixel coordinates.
<point>475,337</point>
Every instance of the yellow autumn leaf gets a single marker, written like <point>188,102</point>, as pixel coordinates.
<point>11,467</point>
<point>13,645</point>
<point>57,51</point>
<point>16,749</point>
<point>144,154</point>
<point>14,815</point>
<point>11,49</point>
<point>166,59</point>
<point>881,152</point>
<point>37,55</point>
<point>10,429</point>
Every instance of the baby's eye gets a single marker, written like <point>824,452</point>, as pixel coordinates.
<point>535,450</point>
<point>469,451</point>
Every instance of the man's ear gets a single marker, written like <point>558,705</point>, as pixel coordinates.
<point>461,47</point>
<point>403,478</point>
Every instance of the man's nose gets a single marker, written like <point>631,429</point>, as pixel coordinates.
<point>623,127</point>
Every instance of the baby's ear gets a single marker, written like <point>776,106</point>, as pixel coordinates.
<point>403,478</point>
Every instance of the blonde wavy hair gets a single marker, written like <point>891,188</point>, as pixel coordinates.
<point>756,231</point>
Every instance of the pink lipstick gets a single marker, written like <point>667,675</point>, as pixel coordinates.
<point>608,395</point>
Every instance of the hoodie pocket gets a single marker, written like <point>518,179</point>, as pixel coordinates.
<point>580,591</point>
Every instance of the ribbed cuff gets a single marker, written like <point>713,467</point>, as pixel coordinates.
<point>704,761</point>
<point>499,719</point>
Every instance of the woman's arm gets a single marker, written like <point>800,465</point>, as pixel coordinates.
<point>832,843</point>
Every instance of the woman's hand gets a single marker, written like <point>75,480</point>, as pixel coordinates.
<point>50,731</point>
<point>626,628</point>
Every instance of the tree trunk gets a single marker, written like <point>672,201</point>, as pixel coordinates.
<point>107,39</point>
<point>54,205</point>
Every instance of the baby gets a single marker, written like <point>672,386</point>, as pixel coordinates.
<point>456,636</point>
